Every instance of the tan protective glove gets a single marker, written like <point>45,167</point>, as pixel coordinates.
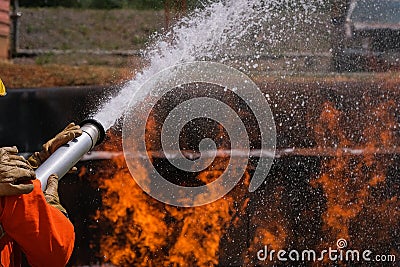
<point>70,132</point>
<point>15,173</point>
<point>51,193</point>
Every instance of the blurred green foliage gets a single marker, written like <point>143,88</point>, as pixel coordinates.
<point>137,4</point>
<point>111,4</point>
<point>95,4</point>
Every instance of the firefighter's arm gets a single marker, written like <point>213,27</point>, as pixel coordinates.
<point>44,234</point>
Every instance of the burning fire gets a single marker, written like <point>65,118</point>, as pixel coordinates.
<point>140,231</point>
<point>358,201</point>
<point>353,199</point>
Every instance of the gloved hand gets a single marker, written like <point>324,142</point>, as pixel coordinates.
<point>51,193</point>
<point>70,132</point>
<point>15,173</point>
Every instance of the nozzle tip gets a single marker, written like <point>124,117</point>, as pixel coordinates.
<point>97,124</point>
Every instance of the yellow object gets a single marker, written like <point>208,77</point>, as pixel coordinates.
<point>2,89</point>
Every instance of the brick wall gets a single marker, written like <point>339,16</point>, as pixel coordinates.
<point>4,28</point>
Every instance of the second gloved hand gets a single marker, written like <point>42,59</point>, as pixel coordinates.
<point>51,193</point>
<point>70,132</point>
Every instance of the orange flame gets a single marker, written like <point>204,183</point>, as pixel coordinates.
<point>140,231</point>
<point>354,185</point>
<point>144,232</point>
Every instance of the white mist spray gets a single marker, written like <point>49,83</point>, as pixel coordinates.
<point>216,32</point>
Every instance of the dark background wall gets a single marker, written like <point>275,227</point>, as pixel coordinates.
<point>30,117</point>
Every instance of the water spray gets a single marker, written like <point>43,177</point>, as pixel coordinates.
<point>65,157</point>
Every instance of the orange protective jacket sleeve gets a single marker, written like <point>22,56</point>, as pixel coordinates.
<point>42,232</point>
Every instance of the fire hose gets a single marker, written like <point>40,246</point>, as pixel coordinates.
<point>65,157</point>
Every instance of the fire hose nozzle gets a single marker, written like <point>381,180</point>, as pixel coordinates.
<point>65,157</point>
<point>94,129</point>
